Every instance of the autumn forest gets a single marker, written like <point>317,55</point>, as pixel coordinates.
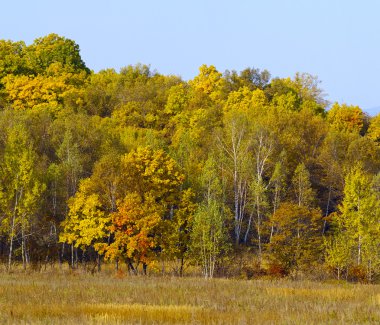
<point>230,174</point>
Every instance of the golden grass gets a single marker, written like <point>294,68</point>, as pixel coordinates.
<point>62,298</point>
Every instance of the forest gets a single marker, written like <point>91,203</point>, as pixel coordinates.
<point>230,174</point>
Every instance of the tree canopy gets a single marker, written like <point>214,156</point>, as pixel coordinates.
<point>236,173</point>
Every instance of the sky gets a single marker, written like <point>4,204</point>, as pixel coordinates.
<point>336,40</point>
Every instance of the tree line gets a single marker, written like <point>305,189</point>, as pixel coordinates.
<point>234,173</point>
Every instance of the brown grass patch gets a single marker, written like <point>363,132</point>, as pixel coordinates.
<point>62,298</point>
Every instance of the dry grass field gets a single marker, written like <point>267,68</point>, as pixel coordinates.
<point>76,298</point>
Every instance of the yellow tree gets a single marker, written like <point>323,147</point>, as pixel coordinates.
<point>209,81</point>
<point>374,129</point>
<point>346,118</point>
<point>151,197</point>
<point>45,72</point>
<point>51,89</point>
<point>296,241</point>
<point>86,223</point>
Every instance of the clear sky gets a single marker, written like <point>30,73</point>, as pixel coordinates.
<point>337,40</point>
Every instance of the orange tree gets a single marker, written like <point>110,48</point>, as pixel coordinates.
<point>150,199</point>
<point>136,213</point>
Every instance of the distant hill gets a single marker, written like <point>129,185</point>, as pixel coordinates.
<point>373,111</point>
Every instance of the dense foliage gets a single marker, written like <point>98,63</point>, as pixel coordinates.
<point>234,172</point>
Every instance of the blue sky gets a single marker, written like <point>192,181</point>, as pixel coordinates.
<point>337,40</point>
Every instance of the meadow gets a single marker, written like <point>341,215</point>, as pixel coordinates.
<point>62,297</point>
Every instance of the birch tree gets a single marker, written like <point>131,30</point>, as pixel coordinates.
<point>302,186</point>
<point>20,189</point>
<point>209,238</point>
<point>262,147</point>
<point>357,224</point>
<point>235,146</point>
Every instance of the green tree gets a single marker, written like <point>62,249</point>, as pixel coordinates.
<point>297,93</point>
<point>365,151</point>
<point>100,93</point>
<point>338,253</point>
<point>302,186</point>
<point>334,161</point>
<point>208,235</point>
<point>12,60</point>
<point>262,147</point>
<point>277,186</point>
<point>357,224</point>
<point>251,78</point>
<point>52,49</point>
<point>178,230</point>
<point>235,145</point>
<point>209,238</point>
<point>20,189</point>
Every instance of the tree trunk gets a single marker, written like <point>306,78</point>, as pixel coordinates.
<point>237,214</point>
<point>11,248</point>
<point>248,228</point>
<point>99,263</point>
<point>11,241</point>
<point>131,268</point>
<point>61,255</point>
<point>181,268</point>
<point>72,256</point>
<point>23,248</point>
<point>12,232</point>
<point>259,228</point>
<point>327,211</point>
